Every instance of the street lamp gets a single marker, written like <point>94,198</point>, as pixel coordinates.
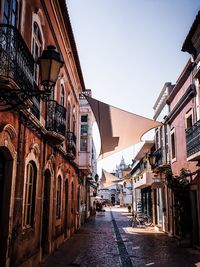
<point>96,177</point>
<point>50,63</point>
<point>17,85</point>
<point>152,159</point>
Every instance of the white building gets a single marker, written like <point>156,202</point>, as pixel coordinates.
<point>87,156</point>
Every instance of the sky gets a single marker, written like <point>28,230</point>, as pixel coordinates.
<point>127,50</point>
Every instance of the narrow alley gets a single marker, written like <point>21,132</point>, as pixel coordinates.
<point>108,240</point>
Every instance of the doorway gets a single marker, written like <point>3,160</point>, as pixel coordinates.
<point>66,209</point>
<point>194,211</point>
<point>113,199</point>
<point>6,165</point>
<point>45,213</point>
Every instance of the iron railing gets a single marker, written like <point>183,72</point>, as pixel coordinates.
<point>35,109</point>
<point>71,144</point>
<point>17,63</point>
<point>87,92</point>
<point>193,139</point>
<point>158,155</point>
<point>55,117</point>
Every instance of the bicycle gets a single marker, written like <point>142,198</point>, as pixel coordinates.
<point>139,220</point>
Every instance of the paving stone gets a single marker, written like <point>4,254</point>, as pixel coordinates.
<point>107,240</point>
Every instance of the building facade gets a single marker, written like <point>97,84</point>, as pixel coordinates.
<point>86,156</point>
<point>41,184</point>
<point>142,179</point>
<point>179,151</point>
<point>192,46</point>
<point>161,194</point>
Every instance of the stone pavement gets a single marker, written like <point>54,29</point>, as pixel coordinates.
<point>107,240</point>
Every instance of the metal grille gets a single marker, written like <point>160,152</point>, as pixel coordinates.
<point>56,117</point>
<point>71,144</point>
<point>17,62</point>
<point>193,139</point>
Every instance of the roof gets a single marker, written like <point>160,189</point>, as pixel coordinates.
<point>147,145</point>
<point>110,179</point>
<point>64,10</point>
<point>181,80</point>
<point>186,44</point>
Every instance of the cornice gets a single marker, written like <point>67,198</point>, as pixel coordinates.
<point>189,94</point>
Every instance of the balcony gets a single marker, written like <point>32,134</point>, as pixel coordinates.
<point>144,180</point>
<point>158,157</point>
<point>16,68</point>
<point>71,145</point>
<point>87,92</point>
<point>193,142</point>
<point>55,122</point>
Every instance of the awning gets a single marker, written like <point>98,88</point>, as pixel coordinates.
<point>119,129</point>
<point>108,179</point>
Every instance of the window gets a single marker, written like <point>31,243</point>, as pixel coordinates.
<point>173,148</point>
<point>72,198</point>
<point>36,49</point>
<point>58,198</point>
<point>189,122</point>
<point>11,12</point>
<point>62,95</point>
<point>74,124</point>
<point>68,116</point>
<point>188,119</point>
<point>84,134</point>
<point>36,52</point>
<point>30,195</point>
<point>84,118</point>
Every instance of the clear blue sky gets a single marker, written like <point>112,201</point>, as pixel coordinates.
<point>128,49</point>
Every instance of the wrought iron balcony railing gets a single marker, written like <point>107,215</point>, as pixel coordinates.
<point>17,63</point>
<point>158,155</point>
<point>35,108</point>
<point>71,144</point>
<point>55,117</point>
<point>87,92</point>
<point>193,139</point>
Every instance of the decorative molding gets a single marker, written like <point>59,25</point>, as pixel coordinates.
<point>189,94</point>
<point>36,149</point>
<point>10,130</point>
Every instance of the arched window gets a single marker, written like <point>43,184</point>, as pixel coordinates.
<point>30,195</point>
<point>62,95</point>
<point>58,198</point>
<point>68,116</point>
<point>36,48</point>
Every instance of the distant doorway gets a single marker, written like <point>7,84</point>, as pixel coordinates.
<point>6,165</point>
<point>113,199</point>
<point>45,213</point>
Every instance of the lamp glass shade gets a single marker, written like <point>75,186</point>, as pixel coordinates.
<point>50,63</point>
<point>152,159</point>
<point>54,72</point>
<point>45,68</point>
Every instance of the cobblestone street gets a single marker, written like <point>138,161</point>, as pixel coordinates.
<point>107,240</point>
